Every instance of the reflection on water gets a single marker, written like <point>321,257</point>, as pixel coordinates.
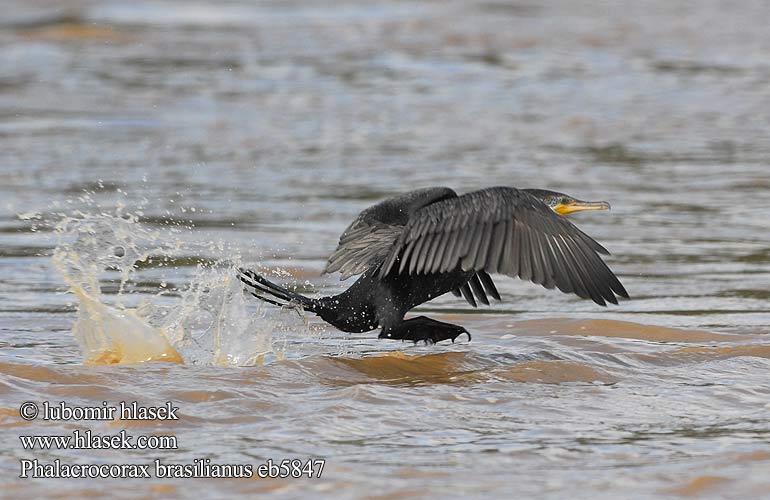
<point>254,132</point>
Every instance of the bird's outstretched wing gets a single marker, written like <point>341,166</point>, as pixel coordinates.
<point>370,237</point>
<point>503,230</point>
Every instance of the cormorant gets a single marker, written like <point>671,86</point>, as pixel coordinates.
<point>414,247</point>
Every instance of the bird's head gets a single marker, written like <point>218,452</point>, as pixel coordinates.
<point>564,204</point>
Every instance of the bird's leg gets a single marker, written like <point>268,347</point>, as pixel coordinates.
<point>423,328</point>
<point>264,289</point>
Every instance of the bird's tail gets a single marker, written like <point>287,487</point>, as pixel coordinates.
<point>271,293</point>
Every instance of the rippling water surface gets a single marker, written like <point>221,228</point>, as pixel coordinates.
<point>149,147</point>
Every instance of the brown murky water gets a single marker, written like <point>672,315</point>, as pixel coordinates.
<point>150,146</point>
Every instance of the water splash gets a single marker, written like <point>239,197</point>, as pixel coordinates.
<point>206,323</point>
<point>212,324</point>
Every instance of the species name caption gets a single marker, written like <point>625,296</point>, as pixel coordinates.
<point>87,440</point>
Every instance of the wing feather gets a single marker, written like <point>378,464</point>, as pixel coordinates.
<point>489,285</point>
<point>466,291</point>
<point>369,239</point>
<point>416,253</point>
<point>497,245</point>
<point>425,253</point>
<point>478,290</point>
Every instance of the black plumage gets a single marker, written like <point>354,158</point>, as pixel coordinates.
<point>411,248</point>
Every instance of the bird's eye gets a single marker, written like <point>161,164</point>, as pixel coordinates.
<point>564,201</point>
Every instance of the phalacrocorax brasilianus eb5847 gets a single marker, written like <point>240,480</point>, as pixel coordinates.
<point>414,247</point>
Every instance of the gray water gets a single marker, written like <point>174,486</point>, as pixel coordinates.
<point>253,132</point>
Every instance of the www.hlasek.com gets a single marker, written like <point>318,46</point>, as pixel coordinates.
<point>82,440</point>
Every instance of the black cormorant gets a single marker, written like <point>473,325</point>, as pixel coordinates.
<point>414,247</point>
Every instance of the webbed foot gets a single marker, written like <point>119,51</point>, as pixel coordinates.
<point>424,329</point>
